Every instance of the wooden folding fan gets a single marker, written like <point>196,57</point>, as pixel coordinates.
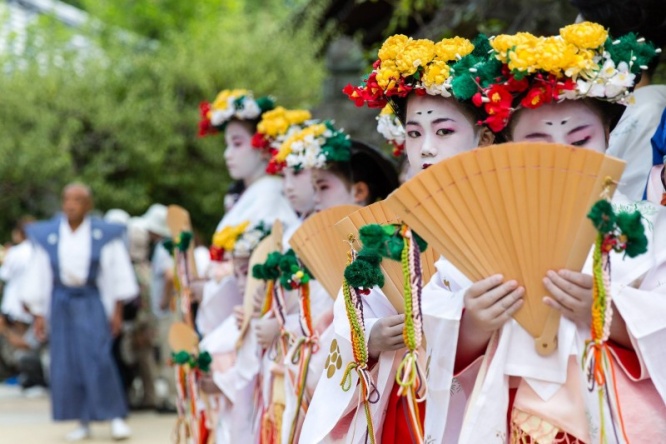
<point>178,220</point>
<point>380,213</point>
<point>318,245</point>
<point>518,209</point>
<point>271,243</point>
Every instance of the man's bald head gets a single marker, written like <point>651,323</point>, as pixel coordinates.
<point>76,202</point>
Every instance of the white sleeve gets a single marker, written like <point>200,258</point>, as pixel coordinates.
<point>117,281</point>
<point>37,282</point>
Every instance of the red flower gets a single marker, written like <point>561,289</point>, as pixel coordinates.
<point>260,141</point>
<point>398,149</point>
<point>499,96</point>
<point>477,100</point>
<point>537,96</point>
<point>274,167</point>
<point>517,86</point>
<point>216,253</point>
<point>205,126</point>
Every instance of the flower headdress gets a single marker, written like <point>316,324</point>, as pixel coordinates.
<point>389,126</point>
<point>230,104</point>
<point>238,240</point>
<point>406,65</point>
<point>276,126</point>
<point>314,146</point>
<point>583,61</point>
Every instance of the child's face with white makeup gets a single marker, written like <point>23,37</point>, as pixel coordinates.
<point>299,190</point>
<point>243,161</point>
<point>571,122</point>
<point>436,130</point>
<point>241,266</point>
<point>330,190</point>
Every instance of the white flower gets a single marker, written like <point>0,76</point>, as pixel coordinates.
<point>595,88</point>
<point>249,109</point>
<point>621,81</point>
<point>219,116</point>
<point>443,89</point>
<point>390,128</point>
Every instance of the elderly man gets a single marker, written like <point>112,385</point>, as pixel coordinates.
<point>79,276</point>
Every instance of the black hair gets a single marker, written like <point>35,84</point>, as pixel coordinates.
<point>370,166</point>
<point>375,169</point>
<point>647,18</point>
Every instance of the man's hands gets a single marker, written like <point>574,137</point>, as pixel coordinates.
<point>386,335</point>
<point>571,294</point>
<point>40,328</point>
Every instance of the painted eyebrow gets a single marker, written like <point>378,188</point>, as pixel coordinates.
<point>434,122</point>
<point>442,120</point>
<point>536,135</point>
<point>577,129</point>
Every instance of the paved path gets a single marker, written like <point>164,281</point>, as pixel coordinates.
<point>28,421</point>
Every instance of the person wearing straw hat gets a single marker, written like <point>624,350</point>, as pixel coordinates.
<point>78,278</point>
<point>236,113</point>
<point>437,121</point>
<point>499,385</point>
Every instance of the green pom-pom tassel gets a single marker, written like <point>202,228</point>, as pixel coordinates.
<point>364,274</point>
<point>631,226</point>
<point>182,357</point>
<point>372,236</point>
<point>203,361</point>
<point>265,104</point>
<point>168,244</point>
<point>185,240</point>
<point>269,270</point>
<point>602,216</point>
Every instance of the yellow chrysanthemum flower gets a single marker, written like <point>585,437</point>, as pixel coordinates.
<point>387,74</point>
<point>504,43</point>
<point>450,49</point>
<point>222,100</point>
<point>414,54</point>
<point>554,55</point>
<point>392,47</point>
<point>585,35</point>
<point>315,130</point>
<point>226,238</point>
<point>278,120</point>
<point>436,73</point>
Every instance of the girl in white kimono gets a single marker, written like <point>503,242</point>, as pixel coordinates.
<point>486,382</point>
<point>236,113</point>
<point>438,124</point>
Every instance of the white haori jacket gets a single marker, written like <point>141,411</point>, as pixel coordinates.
<point>482,391</point>
<point>335,415</point>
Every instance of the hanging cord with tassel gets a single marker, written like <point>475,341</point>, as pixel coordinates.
<point>295,277</point>
<point>621,232</point>
<point>409,375</point>
<point>354,309</point>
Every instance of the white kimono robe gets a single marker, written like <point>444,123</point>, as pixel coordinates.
<point>336,416</point>
<point>262,201</point>
<point>639,292</point>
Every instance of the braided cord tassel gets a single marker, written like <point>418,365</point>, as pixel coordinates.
<point>302,353</point>
<point>354,310</point>
<point>409,375</point>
